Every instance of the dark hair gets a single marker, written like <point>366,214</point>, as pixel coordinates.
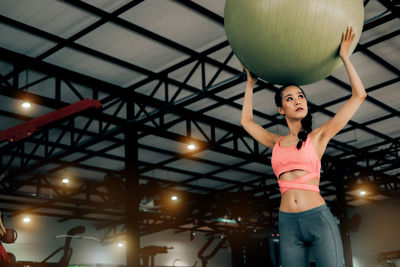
<point>306,122</point>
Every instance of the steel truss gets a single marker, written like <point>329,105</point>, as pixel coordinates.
<point>21,161</point>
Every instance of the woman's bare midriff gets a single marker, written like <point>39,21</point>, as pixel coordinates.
<point>297,200</point>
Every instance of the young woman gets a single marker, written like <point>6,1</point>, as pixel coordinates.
<point>304,219</point>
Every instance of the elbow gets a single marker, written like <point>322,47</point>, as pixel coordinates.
<point>244,122</point>
<point>363,96</point>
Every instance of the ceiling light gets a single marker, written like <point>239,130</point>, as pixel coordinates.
<point>174,198</point>
<point>120,245</point>
<point>26,219</point>
<point>191,147</point>
<point>26,104</point>
<point>65,180</point>
<point>363,193</point>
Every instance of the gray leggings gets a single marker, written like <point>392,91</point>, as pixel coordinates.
<point>316,229</point>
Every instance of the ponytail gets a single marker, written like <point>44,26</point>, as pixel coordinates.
<point>306,128</point>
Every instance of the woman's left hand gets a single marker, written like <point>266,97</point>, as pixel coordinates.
<point>347,40</point>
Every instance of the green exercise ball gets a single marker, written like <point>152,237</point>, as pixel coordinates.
<point>291,41</point>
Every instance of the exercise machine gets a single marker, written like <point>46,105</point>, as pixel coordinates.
<point>74,233</point>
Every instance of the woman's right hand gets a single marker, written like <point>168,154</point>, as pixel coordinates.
<point>250,79</point>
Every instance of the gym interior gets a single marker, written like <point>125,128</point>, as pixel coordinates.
<point>121,142</point>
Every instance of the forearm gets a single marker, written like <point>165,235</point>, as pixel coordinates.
<point>357,87</point>
<point>247,108</point>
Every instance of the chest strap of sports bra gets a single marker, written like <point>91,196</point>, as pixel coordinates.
<point>299,183</point>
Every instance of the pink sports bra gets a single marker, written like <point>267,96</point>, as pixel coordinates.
<point>286,159</point>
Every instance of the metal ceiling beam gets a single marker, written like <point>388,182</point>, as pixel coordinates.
<point>369,98</point>
<point>149,34</point>
<point>76,210</point>
<point>368,90</point>
<point>238,105</point>
<point>201,10</point>
<point>189,186</point>
<point>392,6</point>
<point>99,152</point>
<point>378,40</point>
<point>379,21</point>
<point>89,29</point>
<point>54,104</point>
<point>378,59</point>
<point>99,12</point>
<point>214,96</point>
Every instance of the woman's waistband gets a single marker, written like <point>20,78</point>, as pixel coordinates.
<point>323,207</point>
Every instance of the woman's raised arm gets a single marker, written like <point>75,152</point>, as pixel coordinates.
<point>255,130</point>
<point>358,94</point>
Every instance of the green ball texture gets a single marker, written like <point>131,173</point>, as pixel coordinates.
<point>291,41</point>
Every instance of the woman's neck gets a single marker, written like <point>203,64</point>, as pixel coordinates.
<point>294,127</point>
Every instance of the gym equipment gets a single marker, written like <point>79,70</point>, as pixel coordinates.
<point>286,42</point>
<point>4,256</point>
<point>10,236</point>
<point>65,258</point>
<point>26,129</point>
<point>149,252</point>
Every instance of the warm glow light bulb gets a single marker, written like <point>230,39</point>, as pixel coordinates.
<point>191,147</point>
<point>120,245</point>
<point>65,180</point>
<point>26,219</point>
<point>174,198</point>
<point>26,104</point>
<point>363,193</point>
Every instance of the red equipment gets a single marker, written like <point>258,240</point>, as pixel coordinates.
<point>4,259</point>
<point>27,128</point>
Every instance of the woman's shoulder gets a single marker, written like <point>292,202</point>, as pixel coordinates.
<point>277,138</point>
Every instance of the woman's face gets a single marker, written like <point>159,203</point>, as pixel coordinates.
<point>294,103</point>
